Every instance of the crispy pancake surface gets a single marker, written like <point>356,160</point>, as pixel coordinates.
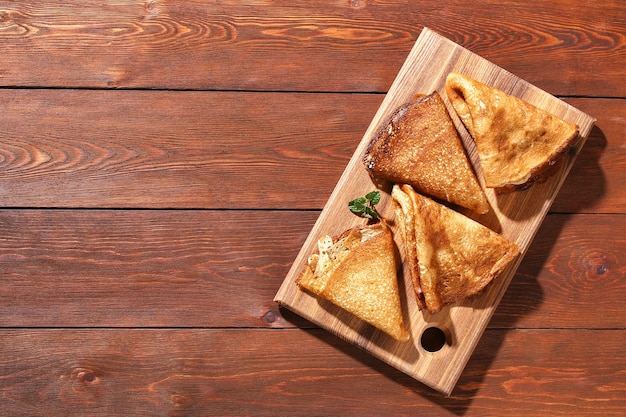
<point>358,272</point>
<point>456,256</point>
<point>419,145</point>
<point>517,142</point>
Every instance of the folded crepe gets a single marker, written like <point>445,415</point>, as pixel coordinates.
<point>517,143</point>
<point>419,145</point>
<point>450,256</point>
<point>358,272</point>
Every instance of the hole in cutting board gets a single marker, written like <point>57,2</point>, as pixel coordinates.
<point>433,339</point>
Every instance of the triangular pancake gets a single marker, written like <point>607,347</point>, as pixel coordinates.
<point>450,256</point>
<point>419,145</point>
<point>358,272</point>
<point>517,142</point>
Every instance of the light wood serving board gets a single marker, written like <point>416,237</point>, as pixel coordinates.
<point>516,216</point>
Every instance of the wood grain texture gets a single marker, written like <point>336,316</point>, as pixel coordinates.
<point>119,268</point>
<point>575,269</point>
<point>121,294</point>
<point>568,48</point>
<point>595,182</point>
<point>250,372</point>
<point>145,268</point>
<point>154,149</point>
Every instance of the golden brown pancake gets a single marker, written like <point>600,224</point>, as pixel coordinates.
<point>419,145</point>
<point>450,256</point>
<point>517,142</point>
<point>358,272</point>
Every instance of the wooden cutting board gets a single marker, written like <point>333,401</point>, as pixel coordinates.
<point>442,343</point>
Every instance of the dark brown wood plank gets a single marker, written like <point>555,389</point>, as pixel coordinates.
<point>574,265</point>
<point>145,268</point>
<point>566,47</point>
<point>595,183</point>
<point>155,149</point>
<point>118,268</point>
<point>306,373</point>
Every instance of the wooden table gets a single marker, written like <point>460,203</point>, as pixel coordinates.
<point>162,163</point>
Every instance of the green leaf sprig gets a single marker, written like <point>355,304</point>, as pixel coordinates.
<point>364,206</point>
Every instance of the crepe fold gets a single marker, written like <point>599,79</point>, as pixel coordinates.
<point>357,271</point>
<point>517,142</point>
<point>450,256</point>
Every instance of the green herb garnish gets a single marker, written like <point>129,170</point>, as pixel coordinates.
<point>364,206</point>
